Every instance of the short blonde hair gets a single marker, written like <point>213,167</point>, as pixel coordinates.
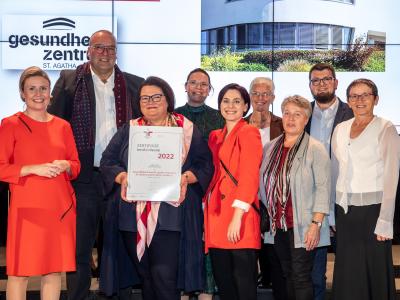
<point>31,72</point>
<point>298,101</point>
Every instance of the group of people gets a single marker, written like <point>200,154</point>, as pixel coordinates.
<point>327,170</point>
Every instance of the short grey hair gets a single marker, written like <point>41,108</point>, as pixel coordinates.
<point>262,80</point>
<point>298,101</point>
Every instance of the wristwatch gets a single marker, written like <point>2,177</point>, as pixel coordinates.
<point>319,224</point>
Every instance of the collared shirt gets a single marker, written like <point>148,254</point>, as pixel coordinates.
<point>321,129</point>
<point>106,125</point>
<point>322,123</point>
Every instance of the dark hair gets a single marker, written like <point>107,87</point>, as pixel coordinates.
<point>243,93</point>
<point>31,72</point>
<point>198,70</point>
<point>365,81</point>
<point>321,67</point>
<point>165,88</point>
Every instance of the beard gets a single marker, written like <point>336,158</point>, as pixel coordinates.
<point>324,97</point>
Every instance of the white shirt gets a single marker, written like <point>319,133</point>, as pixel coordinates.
<point>322,123</point>
<point>106,125</point>
<point>368,168</point>
<point>321,129</point>
<point>265,135</point>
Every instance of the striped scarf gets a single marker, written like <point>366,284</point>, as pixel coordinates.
<point>277,180</point>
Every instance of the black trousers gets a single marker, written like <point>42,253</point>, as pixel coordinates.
<point>271,271</point>
<point>297,264</point>
<point>88,211</point>
<point>363,265</point>
<point>235,273</point>
<point>158,268</point>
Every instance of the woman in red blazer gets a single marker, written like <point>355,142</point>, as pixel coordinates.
<point>232,224</point>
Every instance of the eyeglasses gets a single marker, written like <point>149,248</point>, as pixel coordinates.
<point>101,48</point>
<point>362,97</point>
<point>153,98</point>
<point>194,83</point>
<point>317,81</point>
<point>265,94</point>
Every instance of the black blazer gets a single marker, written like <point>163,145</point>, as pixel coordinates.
<point>62,106</point>
<point>343,113</point>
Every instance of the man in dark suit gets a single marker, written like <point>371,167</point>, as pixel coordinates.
<point>328,111</point>
<point>96,98</point>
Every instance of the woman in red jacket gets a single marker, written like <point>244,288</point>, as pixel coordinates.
<point>232,222</point>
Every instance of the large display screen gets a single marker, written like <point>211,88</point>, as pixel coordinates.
<point>235,40</point>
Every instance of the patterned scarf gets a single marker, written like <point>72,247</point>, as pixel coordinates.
<point>147,211</point>
<point>83,108</point>
<point>277,180</point>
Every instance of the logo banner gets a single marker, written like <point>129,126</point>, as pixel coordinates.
<point>49,42</point>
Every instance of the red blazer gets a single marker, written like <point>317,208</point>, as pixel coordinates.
<point>241,153</point>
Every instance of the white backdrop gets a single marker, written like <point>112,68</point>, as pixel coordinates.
<point>162,38</point>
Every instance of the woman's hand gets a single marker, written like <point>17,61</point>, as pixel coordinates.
<point>381,238</point>
<point>63,165</point>
<point>235,225</point>
<point>311,238</point>
<point>184,183</point>
<point>49,170</point>
<point>122,179</point>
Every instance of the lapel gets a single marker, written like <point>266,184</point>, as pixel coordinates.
<point>308,126</point>
<point>301,152</point>
<point>340,114</point>
<point>276,128</point>
<point>228,142</point>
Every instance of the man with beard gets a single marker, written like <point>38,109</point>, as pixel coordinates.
<point>328,111</point>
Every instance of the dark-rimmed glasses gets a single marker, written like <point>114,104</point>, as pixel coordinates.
<point>153,98</point>
<point>317,81</point>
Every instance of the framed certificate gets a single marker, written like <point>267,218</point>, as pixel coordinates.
<point>154,163</point>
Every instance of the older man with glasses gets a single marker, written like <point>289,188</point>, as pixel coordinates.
<point>328,111</point>
<point>97,98</point>
<point>261,97</point>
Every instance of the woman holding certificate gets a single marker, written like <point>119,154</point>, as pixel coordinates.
<point>232,222</point>
<point>162,239</point>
